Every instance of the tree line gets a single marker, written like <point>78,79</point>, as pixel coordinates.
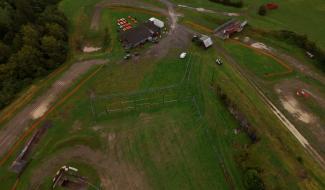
<point>251,175</point>
<point>303,42</point>
<point>33,42</point>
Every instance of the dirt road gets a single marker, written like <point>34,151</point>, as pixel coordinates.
<point>301,139</point>
<point>11,131</point>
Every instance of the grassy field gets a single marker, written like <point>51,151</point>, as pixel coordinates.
<point>168,144</point>
<point>206,19</point>
<point>259,64</point>
<point>304,17</point>
<point>173,146</point>
<point>185,145</point>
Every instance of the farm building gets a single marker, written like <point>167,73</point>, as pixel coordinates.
<point>141,34</point>
<point>203,40</point>
<point>206,41</point>
<point>229,28</point>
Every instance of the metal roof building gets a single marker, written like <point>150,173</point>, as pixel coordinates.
<point>206,41</point>
<point>139,35</point>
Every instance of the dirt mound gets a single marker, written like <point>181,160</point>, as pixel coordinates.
<point>293,106</point>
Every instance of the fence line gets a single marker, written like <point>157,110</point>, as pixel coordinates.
<point>146,105</point>
<point>151,90</point>
<point>178,93</point>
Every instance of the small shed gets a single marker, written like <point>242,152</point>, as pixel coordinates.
<point>206,41</point>
<point>160,24</point>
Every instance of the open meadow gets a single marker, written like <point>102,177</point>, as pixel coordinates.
<point>156,121</point>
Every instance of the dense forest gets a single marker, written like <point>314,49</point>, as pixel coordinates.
<point>33,41</point>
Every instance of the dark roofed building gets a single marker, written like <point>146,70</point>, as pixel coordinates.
<point>139,35</point>
<point>155,30</point>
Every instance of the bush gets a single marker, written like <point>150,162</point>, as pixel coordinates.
<point>238,115</point>
<point>262,10</point>
<point>252,180</point>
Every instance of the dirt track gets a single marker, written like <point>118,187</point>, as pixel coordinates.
<point>10,132</point>
<point>302,67</point>
<point>113,173</point>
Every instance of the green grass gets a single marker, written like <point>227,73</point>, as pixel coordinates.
<point>206,19</point>
<point>303,17</point>
<point>168,71</point>
<point>205,4</point>
<point>270,153</point>
<point>259,64</point>
<point>172,149</point>
<point>172,146</point>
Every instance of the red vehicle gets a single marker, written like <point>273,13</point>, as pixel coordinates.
<point>272,6</point>
<point>302,92</point>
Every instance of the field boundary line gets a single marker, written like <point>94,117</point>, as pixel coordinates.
<point>38,121</point>
<point>151,90</point>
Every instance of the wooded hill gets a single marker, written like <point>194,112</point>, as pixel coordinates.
<point>33,41</point>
